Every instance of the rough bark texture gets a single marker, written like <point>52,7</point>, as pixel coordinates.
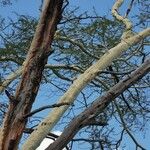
<point>98,106</point>
<point>27,89</point>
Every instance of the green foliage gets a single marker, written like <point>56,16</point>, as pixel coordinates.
<point>88,43</point>
<point>16,39</point>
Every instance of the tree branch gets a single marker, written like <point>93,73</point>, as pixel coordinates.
<point>71,94</point>
<point>98,107</point>
<point>128,25</point>
<point>43,108</point>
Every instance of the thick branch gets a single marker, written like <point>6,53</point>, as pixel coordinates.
<point>98,107</point>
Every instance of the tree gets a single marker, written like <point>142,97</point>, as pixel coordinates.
<point>87,62</point>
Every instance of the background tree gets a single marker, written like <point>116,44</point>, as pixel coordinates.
<point>79,43</point>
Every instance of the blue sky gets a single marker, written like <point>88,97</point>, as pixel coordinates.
<point>30,7</point>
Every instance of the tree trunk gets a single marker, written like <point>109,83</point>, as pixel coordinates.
<point>27,89</point>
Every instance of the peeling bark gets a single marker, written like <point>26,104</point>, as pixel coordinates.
<point>27,89</point>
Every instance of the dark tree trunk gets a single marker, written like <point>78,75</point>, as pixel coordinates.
<point>21,103</point>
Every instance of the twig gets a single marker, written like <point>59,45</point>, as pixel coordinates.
<point>43,108</point>
<point>76,43</point>
<point>129,8</point>
<point>126,128</point>
<point>67,3</point>
<point>30,130</point>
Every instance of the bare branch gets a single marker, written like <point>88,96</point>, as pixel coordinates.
<point>43,108</point>
<point>126,128</point>
<point>129,8</point>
